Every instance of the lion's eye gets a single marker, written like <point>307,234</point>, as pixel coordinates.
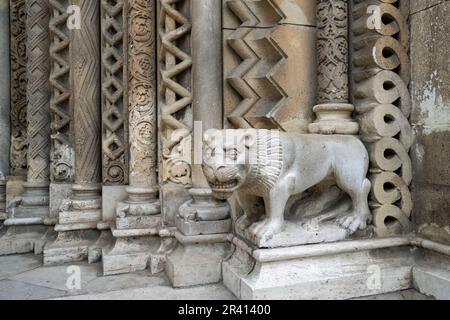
<point>232,154</point>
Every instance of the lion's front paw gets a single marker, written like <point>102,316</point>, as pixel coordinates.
<point>353,222</point>
<point>263,231</point>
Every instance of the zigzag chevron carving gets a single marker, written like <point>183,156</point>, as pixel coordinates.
<point>62,158</point>
<point>269,85</point>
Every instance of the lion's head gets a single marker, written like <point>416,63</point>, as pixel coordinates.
<point>241,158</point>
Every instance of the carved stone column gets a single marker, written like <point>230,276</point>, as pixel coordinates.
<point>80,214</point>
<point>4,105</point>
<point>18,114</point>
<point>29,212</point>
<point>333,111</point>
<point>203,222</point>
<point>115,156</point>
<point>138,219</point>
<point>62,152</point>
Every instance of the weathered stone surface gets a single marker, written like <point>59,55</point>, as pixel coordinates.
<point>196,263</point>
<point>431,274</point>
<point>111,197</point>
<point>4,104</point>
<point>431,118</point>
<point>58,193</point>
<point>338,276</point>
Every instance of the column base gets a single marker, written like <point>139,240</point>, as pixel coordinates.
<point>197,260</point>
<point>315,272</point>
<point>25,238</point>
<point>70,246</point>
<point>334,118</point>
<point>129,254</point>
<point>203,214</point>
<point>28,223</point>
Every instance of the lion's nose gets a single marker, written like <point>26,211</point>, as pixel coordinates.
<point>224,174</point>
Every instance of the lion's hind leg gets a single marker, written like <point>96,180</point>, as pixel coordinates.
<point>360,215</point>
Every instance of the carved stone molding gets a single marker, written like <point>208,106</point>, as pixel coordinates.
<point>62,155</point>
<point>175,94</point>
<point>269,64</point>
<point>380,78</point>
<point>18,87</point>
<point>114,95</point>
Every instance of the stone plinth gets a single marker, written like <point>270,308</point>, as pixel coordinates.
<point>341,270</point>
<point>197,260</point>
<point>135,240</point>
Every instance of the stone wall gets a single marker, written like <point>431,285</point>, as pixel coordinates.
<point>430,90</point>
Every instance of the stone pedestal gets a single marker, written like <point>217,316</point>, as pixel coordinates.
<point>137,223</point>
<point>197,260</point>
<point>77,226</point>
<point>341,270</point>
<point>203,224</point>
<point>28,222</point>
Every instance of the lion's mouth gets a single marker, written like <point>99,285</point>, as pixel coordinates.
<point>229,186</point>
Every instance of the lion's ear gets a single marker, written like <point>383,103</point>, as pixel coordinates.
<point>249,138</point>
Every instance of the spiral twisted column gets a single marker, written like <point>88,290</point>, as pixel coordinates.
<point>30,211</point>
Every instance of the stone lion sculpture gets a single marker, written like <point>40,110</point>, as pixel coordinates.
<point>276,166</point>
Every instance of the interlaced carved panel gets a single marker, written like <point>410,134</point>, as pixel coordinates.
<point>114,102</point>
<point>38,69</point>
<point>142,93</point>
<point>62,157</point>
<point>380,77</point>
<point>267,87</point>
<point>18,87</point>
<point>332,51</point>
<point>85,75</point>
<point>175,98</point>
